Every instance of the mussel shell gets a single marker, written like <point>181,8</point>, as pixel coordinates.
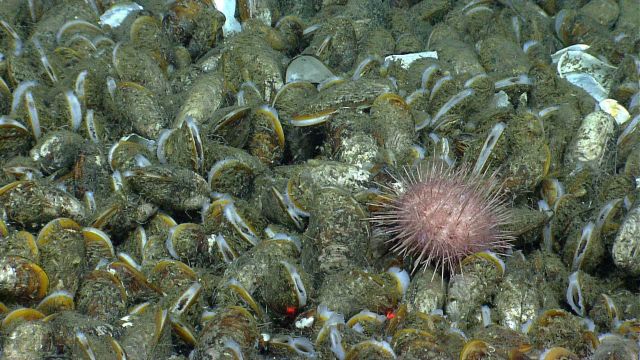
<point>232,322</point>
<point>140,107</point>
<point>22,279</point>
<point>169,187</point>
<point>34,203</point>
<point>16,138</point>
<point>62,250</point>
<point>230,125</point>
<point>57,151</point>
<point>31,340</point>
<point>102,296</point>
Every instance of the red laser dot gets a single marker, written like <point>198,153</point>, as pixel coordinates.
<point>390,314</point>
<point>291,310</point>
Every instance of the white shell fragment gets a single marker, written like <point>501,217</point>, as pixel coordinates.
<point>590,141</point>
<point>588,84</point>
<point>307,68</point>
<point>555,57</point>
<point>116,14</point>
<point>228,8</point>
<point>407,59</point>
<point>587,72</point>
<point>626,246</point>
<point>617,111</point>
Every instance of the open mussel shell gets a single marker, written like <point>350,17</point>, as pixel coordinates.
<point>235,293</point>
<point>126,153</point>
<point>234,220</point>
<point>267,142</point>
<point>184,330</point>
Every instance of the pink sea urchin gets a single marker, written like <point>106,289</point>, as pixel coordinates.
<point>438,215</point>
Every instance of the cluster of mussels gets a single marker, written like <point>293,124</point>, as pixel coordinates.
<point>173,187</point>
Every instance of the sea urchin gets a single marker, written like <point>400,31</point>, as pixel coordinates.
<point>438,215</point>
